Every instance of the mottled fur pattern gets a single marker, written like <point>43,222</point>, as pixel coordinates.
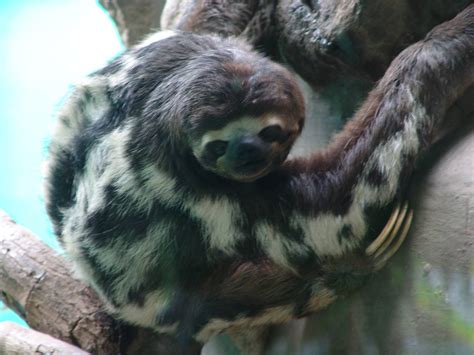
<point>176,248</point>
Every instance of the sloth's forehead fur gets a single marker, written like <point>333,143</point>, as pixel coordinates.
<point>237,91</point>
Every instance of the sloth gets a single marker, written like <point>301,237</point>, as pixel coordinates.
<point>169,186</point>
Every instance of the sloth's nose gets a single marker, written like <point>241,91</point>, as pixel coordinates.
<point>250,149</point>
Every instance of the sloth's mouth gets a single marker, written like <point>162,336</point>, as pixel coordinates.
<point>253,170</point>
<point>249,171</point>
<point>250,166</point>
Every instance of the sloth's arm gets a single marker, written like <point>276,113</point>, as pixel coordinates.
<point>334,192</point>
<point>372,159</point>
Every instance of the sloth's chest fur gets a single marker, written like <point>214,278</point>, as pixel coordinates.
<point>146,256</point>
<point>134,242</point>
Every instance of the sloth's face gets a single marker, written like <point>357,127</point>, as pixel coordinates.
<point>247,148</point>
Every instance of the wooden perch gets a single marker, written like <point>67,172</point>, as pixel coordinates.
<point>15,339</point>
<point>36,283</point>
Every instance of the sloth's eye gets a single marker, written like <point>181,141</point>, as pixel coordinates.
<point>217,148</point>
<point>273,133</point>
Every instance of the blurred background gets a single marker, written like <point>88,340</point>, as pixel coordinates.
<point>45,47</point>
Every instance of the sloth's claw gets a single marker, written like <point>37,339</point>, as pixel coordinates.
<point>381,260</point>
<point>393,233</point>
<point>392,236</point>
<point>372,248</point>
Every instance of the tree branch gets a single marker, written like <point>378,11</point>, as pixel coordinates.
<point>36,282</point>
<point>15,339</point>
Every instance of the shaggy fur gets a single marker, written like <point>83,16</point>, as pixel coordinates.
<point>180,249</point>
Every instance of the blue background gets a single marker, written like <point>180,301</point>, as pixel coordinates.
<point>45,46</point>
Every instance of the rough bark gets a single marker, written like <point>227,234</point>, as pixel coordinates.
<point>15,339</point>
<point>37,284</point>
